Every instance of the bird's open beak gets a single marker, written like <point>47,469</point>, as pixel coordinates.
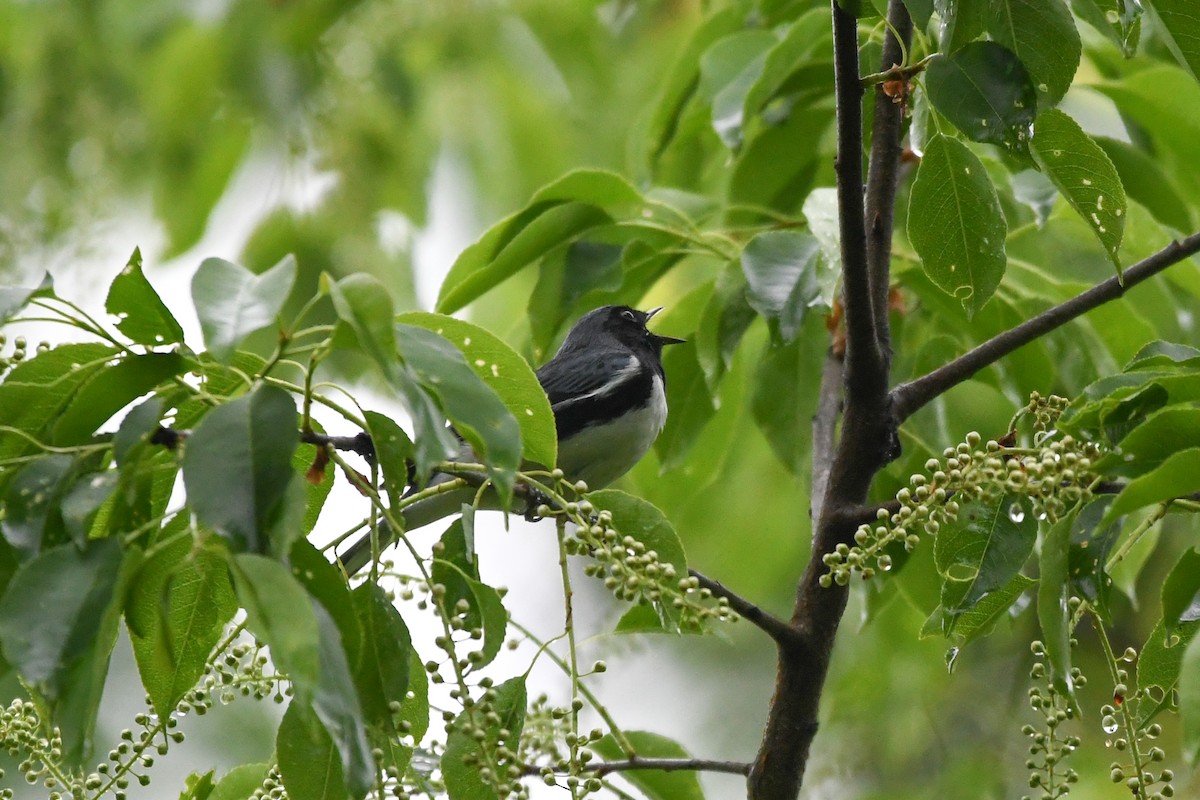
<point>664,340</point>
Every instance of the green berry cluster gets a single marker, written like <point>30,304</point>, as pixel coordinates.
<point>22,737</point>
<point>271,787</point>
<point>496,754</point>
<point>18,354</point>
<point>1048,747</point>
<point>1140,774</point>
<point>635,573</point>
<point>1054,474</point>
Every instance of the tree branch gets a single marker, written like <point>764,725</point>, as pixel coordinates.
<point>671,765</point>
<point>824,431</point>
<point>910,397</point>
<point>883,176</point>
<point>659,765</point>
<point>868,438</point>
<point>774,627</point>
<point>862,343</point>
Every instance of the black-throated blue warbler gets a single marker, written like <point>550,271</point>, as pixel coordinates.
<point>607,390</point>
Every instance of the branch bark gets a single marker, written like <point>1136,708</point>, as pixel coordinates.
<point>774,627</point>
<point>868,431</point>
<point>908,398</point>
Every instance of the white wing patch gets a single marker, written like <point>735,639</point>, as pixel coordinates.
<point>599,455</point>
<point>618,378</point>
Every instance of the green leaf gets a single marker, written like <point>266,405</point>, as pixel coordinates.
<point>1083,173</point>
<point>141,314</point>
<point>326,584</point>
<point>308,760</point>
<point>176,610</point>
<point>690,403</point>
<point>456,569</point>
<point>1181,592</point>
<point>565,277</point>
<point>1147,181</point>
<point>729,69</point>
<point>557,214</point>
<point>393,449</point>
<point>980,619</point>
<point>1087,561</point>
<point>985,91</point>
<point>58,626</point>
<point>656,785</point>
<point>1160,661</point>
<point>232,302</point>
<point>782,272</point>
<point>52,609</point>
<point>1119,20</point>
<point>1178,475</point>
<point>465,755</point>
<point>32,512</point>
<point>962,22</point>
<point>1053,613</point>
<point>1158,437</point>
<point>1180,22</point>
<point>477,412</point>
<point>240,782</point>
<point>783,402</point>
<point>509,375</point>
<point>136,428</point>
<point>198,786</point>
<point>363,304</point>
<point>955,223</point>
<point>635,517</point>
<point>335,703</point>
<point>82,501</point>
<point>982,552</point>
<point>279,613</point>
<point>415,708</point>
<point>1042,34</point>
<point>1189,701</point>
<point>34,394</point>
<point>382,668</point>
<point>14,298</point>
<point>110,390</point>
<point>821,213</point>
<point>722,324</point>
<point>238,465</point>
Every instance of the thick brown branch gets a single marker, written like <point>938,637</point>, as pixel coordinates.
<point>883,174</point>
<point>909,397</point>
<point>868,438</point>
<point>774,627</point>
<point>862,344</point>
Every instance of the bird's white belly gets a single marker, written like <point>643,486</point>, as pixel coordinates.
<point>600,454</point>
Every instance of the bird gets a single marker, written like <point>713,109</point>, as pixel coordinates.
<point>607,388</point>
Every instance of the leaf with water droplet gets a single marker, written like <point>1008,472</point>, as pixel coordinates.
<point>1084,174</point>
<point>955,223</point>
<point>986,92</point>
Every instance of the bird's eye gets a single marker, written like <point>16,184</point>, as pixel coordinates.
<point>627,314</point>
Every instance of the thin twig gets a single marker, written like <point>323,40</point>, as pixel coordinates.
<point>671,765</point>
<point>659,765</point>
<point>774,627</point>
<point>910,397</point>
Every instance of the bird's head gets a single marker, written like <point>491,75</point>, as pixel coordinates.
<point>627,325</point>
